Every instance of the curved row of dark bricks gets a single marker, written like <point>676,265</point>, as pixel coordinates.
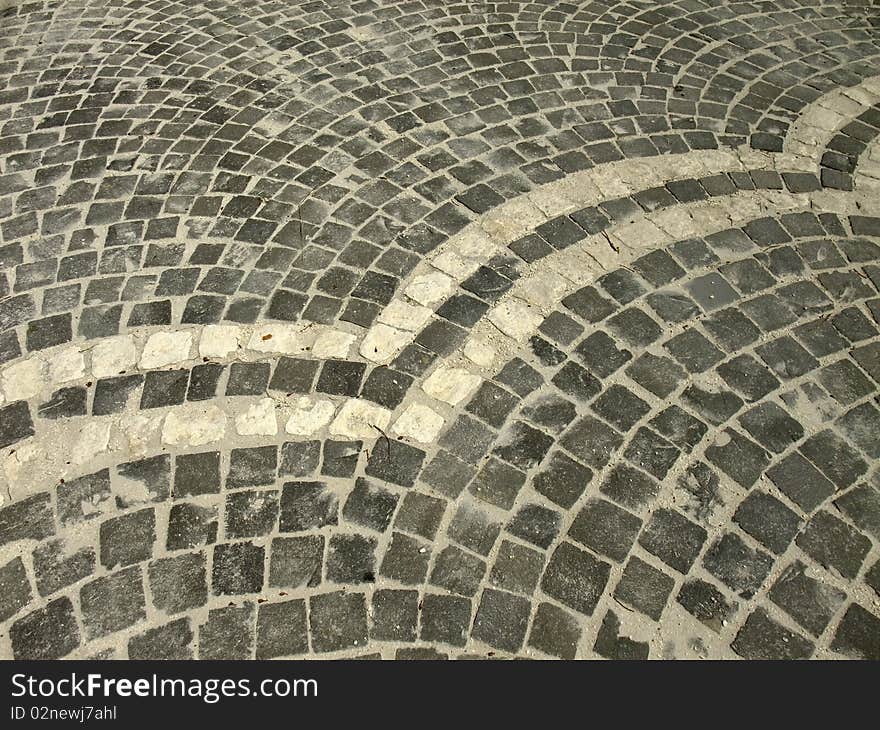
<point>249,308</point>
<point>387,386</point>
<point>445,472</point>
<point>841,158</point>
<point>677,540</point>
<point>374,289</point>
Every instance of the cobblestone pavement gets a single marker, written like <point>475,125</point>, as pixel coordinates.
<point>418,329</point>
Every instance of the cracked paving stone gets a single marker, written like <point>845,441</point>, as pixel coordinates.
<point>673,538</point>
<point>605,528</point>
<point>807,600</point>
<point>706,603</point>
<point>337,621</point>
<point>47,633</point>
<point>445,619</point>
<point>644,588</point>
<point>611,645</point>
<point>857,635</point>
<point>739,567</point>
<point>763,638</point>
<point>394,615</point>
<point>501,620</point>
<point>458,571</point>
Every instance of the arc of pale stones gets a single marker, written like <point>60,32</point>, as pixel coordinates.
<point>440,273</point>
<point>866,177</point>
<point>500,330</point>
<point>809,135</point>
<point>430,406</point>
<point>401,320</point>
<point>436,277</point>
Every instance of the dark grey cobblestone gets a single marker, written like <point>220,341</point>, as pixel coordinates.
<point>548,454</point>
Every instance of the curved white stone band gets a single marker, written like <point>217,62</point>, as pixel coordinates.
<point>438,275</point>
<point>400,321</point>
<point>515,318</point>
<point>60,448</point>
<point>866,177</point>
<point>65,448</point>
<point>810,134</point>
<point>153,348</point>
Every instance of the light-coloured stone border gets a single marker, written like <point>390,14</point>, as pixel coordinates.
<point>809,135</point>
<point>431,401</point>
<point>65,448</point>
<point>866,176</point>
<point>153,348</point>
<point>538,290</point>
<point>399,323</point>
<point>439,274</point>
<point>433,280</point>
<point>493,340</point>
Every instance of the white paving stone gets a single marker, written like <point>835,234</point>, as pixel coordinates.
<point>479,352</point>
<point>544,288</point>
<point>16,461</point>
<point>360,419</point>
<point>113,356</point>
<point>382,342</point>
<point>219,340</point>
<point>430,289</point>
<point>641,235</point>
<point>66,365</point>
<point>23,379</point>
<point>166,348</point>
<point>283,338</point>
<point>194,427</point>
<point>515,318</point>
<point>94,436</point>
<point>450,384</point>
<point>550,203</point>
<point>309,416</point>
<point>333,343</point>
<point>449,262</point>
<point>419,423</point>
<point>141,431</point>
<point>258,420</point>
<point>403,316</point>
<point>512,220</point>
<point>473,242</point>
<point>609,182</point>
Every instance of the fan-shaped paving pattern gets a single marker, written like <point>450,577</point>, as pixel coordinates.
<point>258,165</point>
<point>269,387</point>
<point>694,436</point>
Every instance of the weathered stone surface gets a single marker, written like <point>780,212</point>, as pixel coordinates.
<point>571,316</point>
